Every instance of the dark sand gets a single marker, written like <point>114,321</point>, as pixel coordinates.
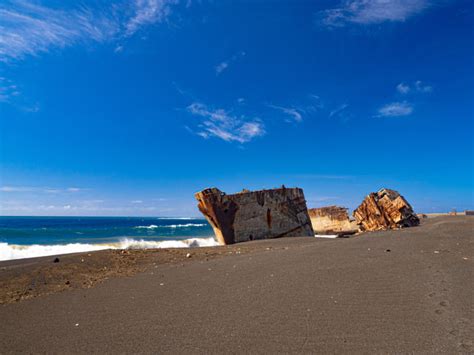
<point>399,291</point>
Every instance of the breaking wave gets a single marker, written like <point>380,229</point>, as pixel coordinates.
<point>151,226</point>
<point>147,244</point>
<point>14,251</point>
<point>187,225</point>
<point>182,218</point>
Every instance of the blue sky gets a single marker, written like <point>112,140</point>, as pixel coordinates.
<point>129,107</point>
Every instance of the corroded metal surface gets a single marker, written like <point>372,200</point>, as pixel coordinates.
<point>385,209</point>
<point>252,215</point>
<point>331,220</point>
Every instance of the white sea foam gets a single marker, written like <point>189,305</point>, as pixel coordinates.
<point>147,244</point>
<point>183,218</point>
<point>151,226</point>
<point>326,235</point>
<point>187,225</point>
<point>13,251</point>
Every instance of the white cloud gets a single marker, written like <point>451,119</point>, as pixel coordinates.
<point>28,28</point>
<point>395,109</point>
<point>292,112</point>
<point>403,88</point>
<point>148,12</point>
<point>338,110</point>
<point>15,189</point>
<point>317,101</point>
<point>421,87</point>
<point>8,89</point>
<point>418,86</point>
<point>220,123</point>
<point>225,64</point>
<point>51,191</point>
<point>48,190</point>
<point>136,201</point>
<point>221,67</point>
<point>92,202</point>
<point>10,93</point>
<point>367,12</point>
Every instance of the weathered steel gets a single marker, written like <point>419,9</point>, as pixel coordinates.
<point>386,209</point>
<point>331,220</point>
<point>252,215</point>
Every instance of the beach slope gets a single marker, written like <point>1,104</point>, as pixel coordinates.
<point>386,292</point>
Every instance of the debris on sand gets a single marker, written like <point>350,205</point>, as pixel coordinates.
<point>385,209</point>
<point>332,220</point>
<point>252,215</point>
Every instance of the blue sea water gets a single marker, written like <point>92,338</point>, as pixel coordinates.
<point>22,237</point>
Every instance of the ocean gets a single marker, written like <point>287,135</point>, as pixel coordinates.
<point>26,237</point>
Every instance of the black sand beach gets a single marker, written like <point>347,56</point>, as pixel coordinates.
<point>397,291</point>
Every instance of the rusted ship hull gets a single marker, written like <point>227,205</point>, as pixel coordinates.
<point>385,209</point>
<point>332,220</point>
<point>253,215</point>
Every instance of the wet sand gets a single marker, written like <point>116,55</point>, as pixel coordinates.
<point>386,292</point>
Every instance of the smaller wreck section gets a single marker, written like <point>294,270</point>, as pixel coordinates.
<point>252,215</point>
<point>331,220</point>
<point>385,209</point>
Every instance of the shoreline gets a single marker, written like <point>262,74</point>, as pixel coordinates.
<point>27,251</point>
<point>18,277</point>
<point>35,250</point>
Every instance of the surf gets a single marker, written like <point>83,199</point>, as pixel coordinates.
<point>15,251</point>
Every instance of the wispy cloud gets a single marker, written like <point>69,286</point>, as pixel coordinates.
<point>29,28</point>
<point>79,208</point>
<point>148,12</point>
<point>225,64</point>
<point>8,90</point>
<point>395,109</point>
<point>15,189</point>
<point>317,101</point>
<point>337,111</point>
<point>312,105</point>
<point>368,12</point>
<point>294,113</point>
<point>421,87</point>
<point>418,86</point>
<point>11,93</point>
<point>403,88</point>
<point>49,190</point>
<point>224,125</point>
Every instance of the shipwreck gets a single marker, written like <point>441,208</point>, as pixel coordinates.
<point>253,215</point>
<point>332,220</point>
<point>385,209</point>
